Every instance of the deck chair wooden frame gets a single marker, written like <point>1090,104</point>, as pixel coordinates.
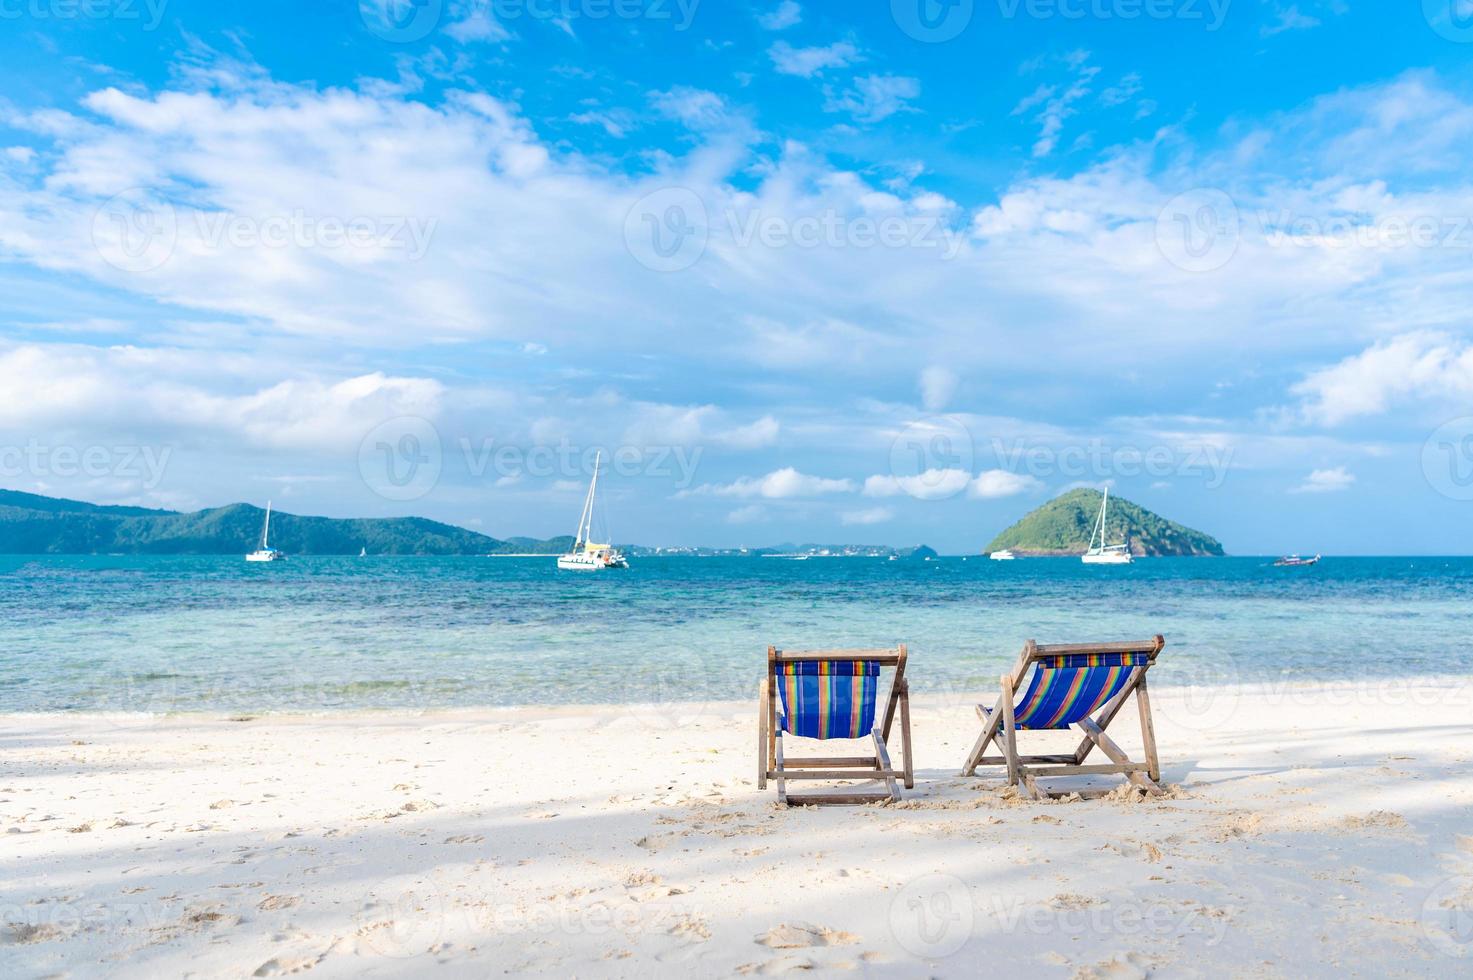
<point>998,725</point>
<point>773,764</point>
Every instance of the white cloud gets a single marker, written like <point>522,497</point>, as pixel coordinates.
<point>1416,365</point>
<point>876,97</point>
<point>473,20</point>
<point>777,485</point>
<point>616,124</point>
<point>992,484</point>
<point>784,15</point>
<point>938,384</point>
<point>678,425</point>
<point>1289,19</point>
<point>861,518</point>
<point>697,108</point>
<point>1326,481</point>
<point>181,393</point>
<point>757,435</point>
<point>1058,106</point>
<point>933,484</point>
<point>807,62</point>
<point>1126,89</point>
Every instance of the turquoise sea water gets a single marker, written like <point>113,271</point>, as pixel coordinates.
<point>206,633</point>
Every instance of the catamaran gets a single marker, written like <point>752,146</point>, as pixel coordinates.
<point>586,555</point>
<point>1103,554</point>
<point>1005,554</point>
<point>266,552</point>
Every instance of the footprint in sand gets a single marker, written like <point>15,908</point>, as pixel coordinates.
<point>280,966</point>
<point>778,967</point>
<point>802,935</point>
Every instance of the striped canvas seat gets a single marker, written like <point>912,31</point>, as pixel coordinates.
<point>829,698</point>
<point>834,694</point>
<point>1069,687</point>
<point>1064,685</point>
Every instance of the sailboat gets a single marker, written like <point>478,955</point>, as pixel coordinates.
<point>1103,554</point>
<point>266,552</point>
<point>586,555</point>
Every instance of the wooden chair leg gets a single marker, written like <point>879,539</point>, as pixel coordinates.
<point>1148,730</point>
<point>910,779</point>
<point>772,729</point>
<point>762,734</point>
<point>882,762</point>
<point>1117,755</point>
<point>1009,730</point>
<point>782,784</point>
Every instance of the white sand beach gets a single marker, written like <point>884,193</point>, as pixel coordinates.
<point>1308,831</point>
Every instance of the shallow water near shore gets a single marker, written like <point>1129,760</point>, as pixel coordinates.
<point>167,633</point>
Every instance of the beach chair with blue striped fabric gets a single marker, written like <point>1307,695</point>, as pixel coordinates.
<point>1074,684</point>
<point>833,694</point>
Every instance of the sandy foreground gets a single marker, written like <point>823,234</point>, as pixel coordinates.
<point>1309,831</point>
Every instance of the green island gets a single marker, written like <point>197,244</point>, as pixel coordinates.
<point>1063,527</point>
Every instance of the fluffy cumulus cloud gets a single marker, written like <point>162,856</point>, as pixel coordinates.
<point>807,62</point>
<point>786,14</point>
<point>1418,366</point>
<point>872,98</point>
<point>187,395</point>
<point>1326,481</point>
<point>1001,483</point>
<point>941,484</point>
<point>933,484</point>
<point>778,485</point>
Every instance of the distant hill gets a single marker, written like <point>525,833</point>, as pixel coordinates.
<point>1063,526</point>
<point>33,524</point>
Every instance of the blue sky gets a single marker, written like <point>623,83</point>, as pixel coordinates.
<point>891,272</point>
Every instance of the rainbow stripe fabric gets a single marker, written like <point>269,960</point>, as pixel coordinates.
<point>1068,687</point>
<point>828,698</point>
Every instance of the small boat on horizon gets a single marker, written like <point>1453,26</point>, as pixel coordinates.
<point>586,556</point>
<point>1103,554</point>
<point>266,552</point>
<point>1294,561</point>
<point>1005,554</point>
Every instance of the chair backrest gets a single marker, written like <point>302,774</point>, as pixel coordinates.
<point>833,693</point>
<point>1073,681</point>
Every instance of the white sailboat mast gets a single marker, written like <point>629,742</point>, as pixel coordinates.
<point>266,529</point>
<point>585,521</point>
